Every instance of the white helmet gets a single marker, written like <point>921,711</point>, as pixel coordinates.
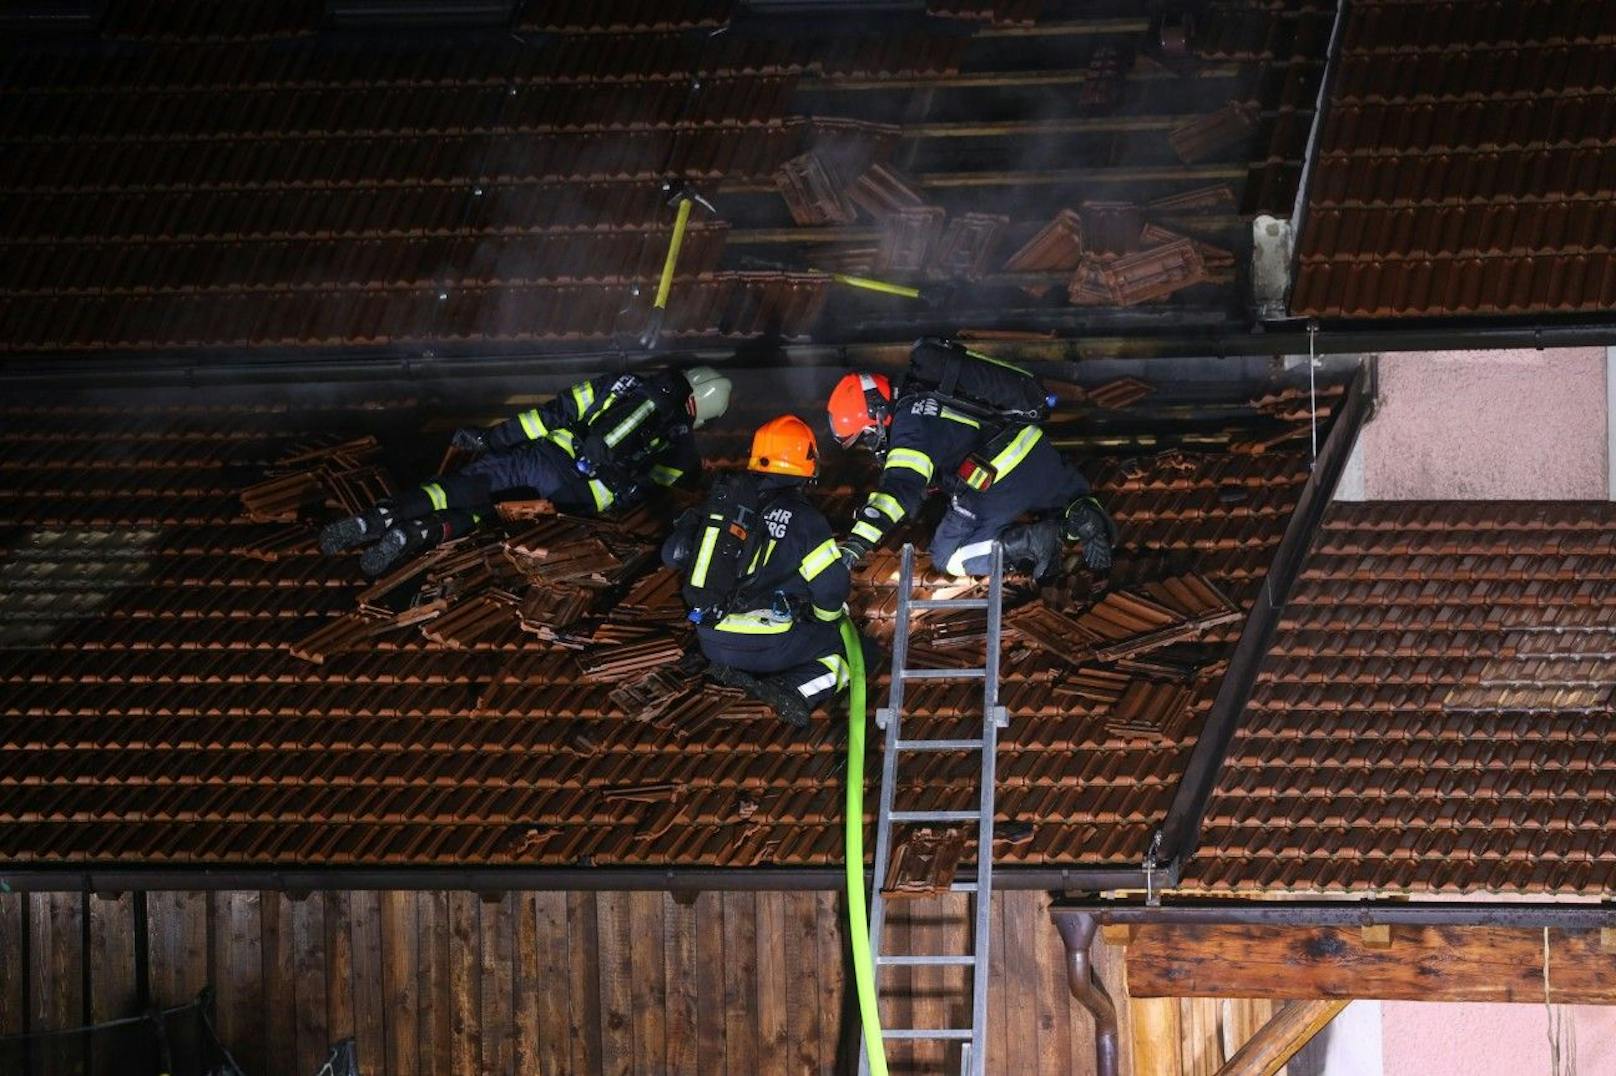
<point>709,393</point>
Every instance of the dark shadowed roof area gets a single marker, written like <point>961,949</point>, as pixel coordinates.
<point>223,176</point>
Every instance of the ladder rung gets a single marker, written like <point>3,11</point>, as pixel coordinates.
<point>926,1033</point>
<point>925,961</point>
<point>940,745</point>
<point>948,603</point>
<point>935,816</point>
<point>944,674</point>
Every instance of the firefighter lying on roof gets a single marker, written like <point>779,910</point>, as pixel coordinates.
<point>763,577</point>
<point>968,424</point>
<point>600,446</point>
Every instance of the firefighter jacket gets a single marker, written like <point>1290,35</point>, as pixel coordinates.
<point>796,572</point>
<point>619,432</point>
<point>932,444</point>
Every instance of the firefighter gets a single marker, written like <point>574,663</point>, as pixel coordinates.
<point>598,447</point>
<point>780,640</point>
<point>994,473</point>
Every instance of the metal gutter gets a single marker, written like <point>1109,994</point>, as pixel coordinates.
<point>1345,913</point>
<point>118,879</point>
<point>198,369</point>
<point>1309,154</point>
<point>1181,827</point>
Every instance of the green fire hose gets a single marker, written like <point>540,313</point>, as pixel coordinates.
<point>858,920</point>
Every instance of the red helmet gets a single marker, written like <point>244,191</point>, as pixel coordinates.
<point>860,405</point>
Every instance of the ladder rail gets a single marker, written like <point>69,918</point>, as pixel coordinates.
<point>972,1058</point>
<point>973,1040</point>
<point>889,768</point>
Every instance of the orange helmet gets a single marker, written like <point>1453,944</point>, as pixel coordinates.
<point>860,405</point>
<point>785,445</point>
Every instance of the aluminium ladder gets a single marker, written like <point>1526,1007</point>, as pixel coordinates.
<point>890,719</point>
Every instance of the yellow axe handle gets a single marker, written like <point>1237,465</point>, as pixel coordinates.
<point>678,240</point>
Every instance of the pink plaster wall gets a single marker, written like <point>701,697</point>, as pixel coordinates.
<point>1425,1039</point>
<point>1488,425</point>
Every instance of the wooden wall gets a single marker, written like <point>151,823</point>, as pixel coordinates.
<point>575,983</point>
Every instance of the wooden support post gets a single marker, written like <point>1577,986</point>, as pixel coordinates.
<point>1155,1036</point>
<point>1277,1041</point>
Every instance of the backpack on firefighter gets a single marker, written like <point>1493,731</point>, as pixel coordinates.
<point>979,385</point>
<point>729,534</point>
<point>1003,396</point>
<point>630,427</point>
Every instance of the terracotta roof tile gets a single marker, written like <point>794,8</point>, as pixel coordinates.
<point>209,736</point>
<point>1462,166</point>
<point>1433,712</point>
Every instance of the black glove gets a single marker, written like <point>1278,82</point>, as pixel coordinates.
<point>470,439</point>
<point>853,549</point>
<point>1087,522</point>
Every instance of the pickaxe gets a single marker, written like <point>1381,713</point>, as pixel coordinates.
<point>681,196</point>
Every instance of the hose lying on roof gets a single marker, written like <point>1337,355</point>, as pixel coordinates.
<point>858,919</point>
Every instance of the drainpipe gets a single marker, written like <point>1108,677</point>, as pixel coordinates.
<point>1077,934</point>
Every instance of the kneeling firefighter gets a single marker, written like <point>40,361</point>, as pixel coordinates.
<point>969,424</point>
<point>763,577</point>
<point>598,447</point>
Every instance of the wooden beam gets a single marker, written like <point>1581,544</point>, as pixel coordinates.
<point>1154,1022</point>
<point>1425,964</point>
<point>1277,1041</point>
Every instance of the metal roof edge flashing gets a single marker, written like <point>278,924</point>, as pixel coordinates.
<point>1177,838</point>
<point>119,879</point>
<point>1346,913</point>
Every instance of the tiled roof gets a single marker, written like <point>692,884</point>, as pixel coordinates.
<point>1464,163</point>
<point>224,176</point>
<point>1435,712</point>
<point>162,701</point>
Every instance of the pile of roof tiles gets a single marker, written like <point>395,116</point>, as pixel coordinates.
<point>1116,256</point>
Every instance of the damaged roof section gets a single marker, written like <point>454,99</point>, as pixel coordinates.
<point>522,697</point>
<point>224,178</point>
<point>1435,712</point>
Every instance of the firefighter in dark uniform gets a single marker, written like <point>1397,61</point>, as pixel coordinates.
<point>993,477</point>
<point>781,643</point>
<point>599,446</point>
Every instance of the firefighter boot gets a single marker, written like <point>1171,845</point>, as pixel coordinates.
<point>396,543</point>
<point>355,530</point>
<point>1033,548</point>
<point>788,705</point>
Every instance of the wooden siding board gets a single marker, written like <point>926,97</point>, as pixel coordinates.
<point>465,1033</point>
<point>648,979</point>
<point>238,975</point>
<point>112,973</point>
<point>436,1036</point>
<point>712,1029</point>
<point>277,959</point>
<point>400,983</point>
<point>309,964</point>
<point>370,1012</point>
<point>584,974</point>
<point>771,981</point>
<point>497,960</point>
<point>556,991</point>
<point>616,998</point>
<point>740,982</point>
